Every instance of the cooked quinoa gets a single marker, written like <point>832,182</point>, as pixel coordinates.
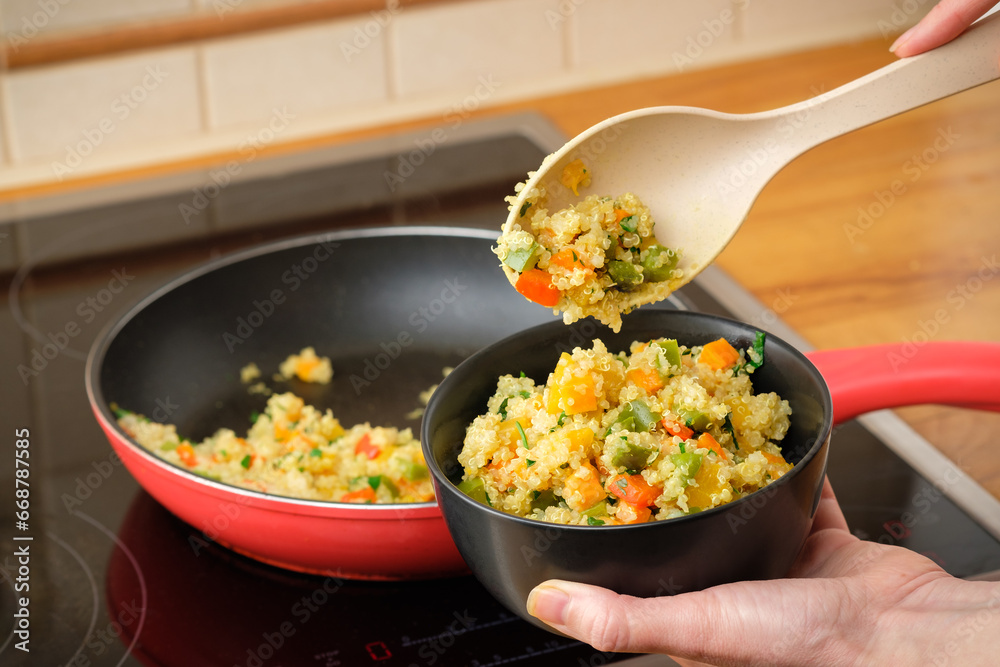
<point>296,450</point>
<point>597,258</point>
<point>657,433</point>
<point>307,366</point>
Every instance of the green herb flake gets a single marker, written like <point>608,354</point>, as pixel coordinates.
<point>727,426</point>
<point>682,448</point>
<point>503,409</point>
<point>524,208</point>
<point>315,452</point>
<point>525,394</point>
<point>374,482</point>
<point>247,460</point>
<point>629,224</point>
<point>254,416</point>
<point>523,375</point>
<point>591,521</point>
<point>524,438</point>
<point>562,418</point>
<point>530,462</point>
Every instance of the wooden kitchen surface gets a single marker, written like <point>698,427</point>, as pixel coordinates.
<point>889,234</point>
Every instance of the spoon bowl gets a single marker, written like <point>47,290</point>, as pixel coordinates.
<point>700,171</point>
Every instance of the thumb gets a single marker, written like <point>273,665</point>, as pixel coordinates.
<point>725,624</point>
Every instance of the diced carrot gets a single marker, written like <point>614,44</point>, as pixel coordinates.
<point>536,285</point>
<point>779,466</point>
<point>568,259</point>
<point>365,495</point>
<point>583,488</point>
<point>647,378</point>
<point>630,513</point>
<point>677,428</point>
<point>718,354</point>
<point>304,367</point>
<point>634,489</point>
<point>708,442</point>
<point>366,448</point>
<point>621,214</point>
<point>281,433</point>
<point>574,175</point>
<point>569,392</point>
<point>187,455</point>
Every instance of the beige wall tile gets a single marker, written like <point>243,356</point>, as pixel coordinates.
<point>453,46</point>
<point>308,71</point>
<point>223,8</point>
<point>27,19</point>
<point>68,113</point>
<point>673,32</point>
<point>806,23</point>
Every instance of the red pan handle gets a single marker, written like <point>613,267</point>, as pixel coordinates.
<point>965,374</point>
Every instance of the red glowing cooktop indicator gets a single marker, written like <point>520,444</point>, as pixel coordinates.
<point>378,651</point>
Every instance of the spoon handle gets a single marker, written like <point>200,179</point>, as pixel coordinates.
<point>969,60</point>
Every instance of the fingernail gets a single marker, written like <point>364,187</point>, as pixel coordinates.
<point>901,39</point>
<point>548,603</point>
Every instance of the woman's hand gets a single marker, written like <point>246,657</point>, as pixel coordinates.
<point>845,602</point>
<point>946,21</point>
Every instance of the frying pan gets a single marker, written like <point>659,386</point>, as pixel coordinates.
<point>755,537</point>
<point>390,307</point>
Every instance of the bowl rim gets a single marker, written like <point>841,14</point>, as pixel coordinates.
<point>443,485</point>
<point>106,337</point>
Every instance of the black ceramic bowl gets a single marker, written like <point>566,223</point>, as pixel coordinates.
<point>756,537</point>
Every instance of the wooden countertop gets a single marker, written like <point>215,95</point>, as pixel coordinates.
<point>926,258</point>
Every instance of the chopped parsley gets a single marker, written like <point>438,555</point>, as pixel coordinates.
<point>247,460</point>
<point>629,224</point>
<point>591,521</point>
<point>727,426</point>
<point>315,452</point>
<point>254,416</point>
<point>503,409</point>
<point>562,418</point>
<point>530,462</point>
<point>524,208</point>
<point>524,438</point>
<point>525,394</point>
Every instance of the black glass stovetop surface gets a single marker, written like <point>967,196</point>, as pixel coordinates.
<point>114,579</point>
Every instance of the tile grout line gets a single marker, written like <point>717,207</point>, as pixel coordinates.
<point>390,51</point>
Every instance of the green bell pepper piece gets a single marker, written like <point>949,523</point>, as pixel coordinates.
<point>625,274</point>
<point>671,351</point>
<point>475,488</point>
<point>658,263</point>
<point>546,498</point>
<point>695,419</point>
<point>688,463</point>
<point>414,471</point>
<point>635,416</point>
<point>522,259</point>
<point>630,456</point>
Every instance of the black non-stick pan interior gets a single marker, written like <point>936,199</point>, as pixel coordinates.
<point>390,308</point>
